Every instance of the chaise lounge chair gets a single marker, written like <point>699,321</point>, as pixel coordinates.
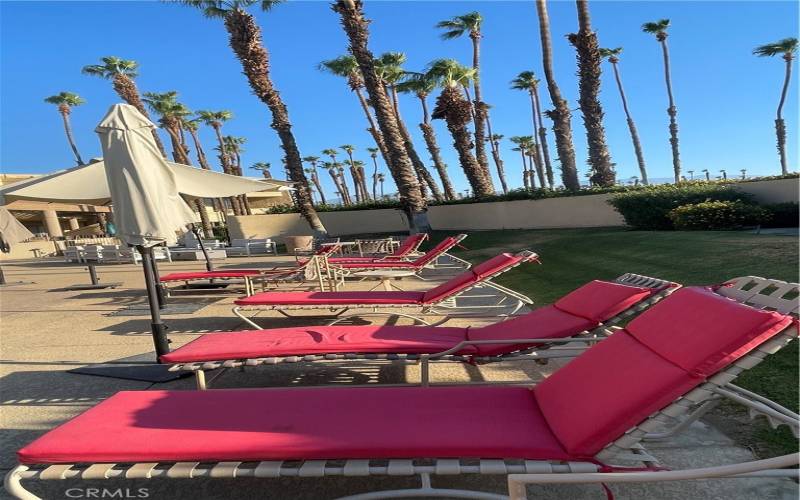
<point>585,419</point>
<point>407,249</point>
<point>590,309</point>
<point>442,300</point>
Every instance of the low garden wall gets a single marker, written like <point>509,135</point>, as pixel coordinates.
<point>342,223</point>
<point>774,191</point>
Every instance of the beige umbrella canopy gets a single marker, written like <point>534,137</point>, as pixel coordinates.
<point>11,230</point>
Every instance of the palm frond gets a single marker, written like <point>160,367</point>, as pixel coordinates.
<point>785,46</point>
<point>610,52</point>
<point>656,27</point>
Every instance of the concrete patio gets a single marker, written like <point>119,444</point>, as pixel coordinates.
<point>47,331</point>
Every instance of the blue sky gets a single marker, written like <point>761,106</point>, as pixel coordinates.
<point>726,97</point>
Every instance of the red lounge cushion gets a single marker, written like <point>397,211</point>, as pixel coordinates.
<point>333,298</point>
<point>204,275</point>
<point>606,390</point>
<point>496,264</point>
<point>432,254</point>
<point>544,322</point>
<point>319,340</point>
<point>303,424</point>
<point>450,287</point>
<point>601,300</point>
<point>701,331</point>
<point>409,244</point>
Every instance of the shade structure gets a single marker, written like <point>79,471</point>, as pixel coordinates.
<point>11,230</point>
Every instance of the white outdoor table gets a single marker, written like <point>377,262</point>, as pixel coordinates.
<point>385,277</point>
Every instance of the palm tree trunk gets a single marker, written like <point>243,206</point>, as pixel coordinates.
<point>226,168</point>
<point>498,162</point>
<point>245,40</point>
<point>452,106</point>
<point>560,115</point>
<point>480,111</point>
<point>672,111</point>
<point>362,180</point>
<point>637,145</point>
<point>318,185</point>
<point>70,138</point>
<point>180,156</point>
<point>400,166</point>
<point>538,145</point>
<point>542,143</point>
<point>589,70</point>
<point>423,174</point>
<point>203,161</point>
<point>382,195</point>
<point>126,88</point>
<point>433,148</point>
<point>533,171</point>
<point>780,125</point>
<point>526,181</point>
<point>337,185</point>
<point>375,178</point>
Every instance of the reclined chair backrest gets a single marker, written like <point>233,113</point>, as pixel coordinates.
<point>662,354</point>
<point>588,306</point>
<point>410,244</point>
<point>481,272</point>
<point>437,251</point>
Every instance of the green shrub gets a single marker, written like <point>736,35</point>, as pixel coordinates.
<point>712,215</point>
<point>649,207</point>
<point>783,215</point>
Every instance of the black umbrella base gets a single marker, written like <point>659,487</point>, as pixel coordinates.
<point>90,286</point>
<point>154,373</point>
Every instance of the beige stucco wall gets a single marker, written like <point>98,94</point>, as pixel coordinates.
<point>578,211</point>
<point>776,191</point>
<point>23,250</point>
<point>337,223</point>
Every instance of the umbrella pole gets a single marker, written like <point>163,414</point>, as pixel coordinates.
<point>2,277</point>
<point>157,280</point>
<point>209,265</point>
<point>157,326</point>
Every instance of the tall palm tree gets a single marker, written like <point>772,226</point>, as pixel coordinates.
<point>215,119</point>
<point>65,102</point>
<point>341,185</point>
<point>331,168</point>
<point>381,177</point>
<point>613,57</point>
<point>589,70</point>
<point>263,167</point>
<point>373,153</point>
<point>659,29</point>
<point>348,149</point>
<point>494,143</point>
<point>560,114</point>
<point>452,107</point>
<point>315,177</point>
<point>528,82</point>
<point>421,86</point>
<point>122,72</point>
<point>347,67</point>
<point>787,49</point>
<point>246,42</point>
<point>522,148</point>
<point>456,27</point>
<point>358,165</point>
<point>355,26</point>
<point>390,71</point>
<point>192,126</point>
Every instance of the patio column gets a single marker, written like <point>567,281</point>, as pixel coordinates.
<point>51,223</point>
<point>73,223</point>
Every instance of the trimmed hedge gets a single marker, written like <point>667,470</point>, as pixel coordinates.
<point>715,215</point>
<point>649,207</point>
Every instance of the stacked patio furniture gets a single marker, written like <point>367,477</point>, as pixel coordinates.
<point>250,247</point>
<point>119,254</point>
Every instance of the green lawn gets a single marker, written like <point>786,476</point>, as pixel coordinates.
<point>571,257</point>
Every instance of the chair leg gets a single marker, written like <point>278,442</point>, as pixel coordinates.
<point>200,378</point>
<point>13,484</point>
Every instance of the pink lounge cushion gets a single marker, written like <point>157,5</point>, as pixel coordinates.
<point>472,276</point>
<point>601,300</point>
<point>544,322</point>
<point>203,275</point>
<point>607,390</point>
<point>409,244</point>
<point>496,264</point>
<point>303,424</point>
<point>432,254</point>
<point>319,340</point>
<point>333,298</point>
<point>671,348</point>
<point>702,331</point>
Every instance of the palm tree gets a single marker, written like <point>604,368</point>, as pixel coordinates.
<point>381,177</point>
<point>389,70</point>
<point>358,165</point>
<point>560,114</point>
<point>522,148</point>
<point>348,149</point>
<point>355,26</point>
<point>528,82</point>
<point>452,107</point>
<point>215,119</point>
<point>421,86</point>
<point>263,167</point>
<point>65,102</point>
<point>192,126</point>
<point>331,168</point>
<point>494,140</point>
<point>373,153</point>
<point>691,174</point>
<point>233,146</point>
<point>613,57</point>
<point>744,173</point>
<point>708,175</point>
<point>724,174</point>
<point>585,43</point>
<point>659,29</point>
<point>341,186</point>
<point>787,48</point>
<point>456,27</point>
<point>122,72</point>
<point>347,67</point>
<point>315,177</point>
<point>245,40</point>
<point>166,106</point>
